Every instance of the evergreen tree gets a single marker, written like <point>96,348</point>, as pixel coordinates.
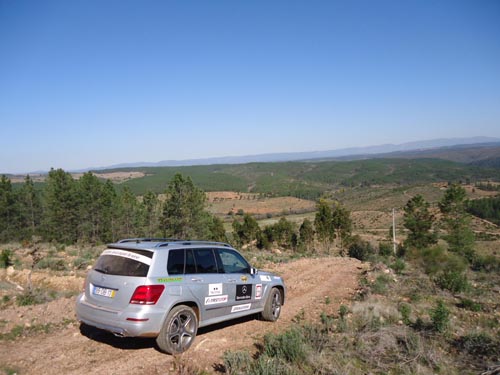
<point>247,231</point>
<point>323,221</point>
<point>150,210</point>
<point>341,222</point>
<point>129,218</point>
<point>61,207</point>
<point>30,208</point>
<point>284,233</point>
<point>419,222</point>
<point>9,211</point>
<point>460,237</point>
<point>332,221</point>
<point>90,209</point>
<point>183,211</point>
<point>110,210</point>
<point>216,227</point>
<point>306,234</point>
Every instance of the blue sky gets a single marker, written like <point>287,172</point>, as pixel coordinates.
<point>93,83</point>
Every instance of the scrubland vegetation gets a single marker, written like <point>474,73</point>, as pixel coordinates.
<point>430,307</point>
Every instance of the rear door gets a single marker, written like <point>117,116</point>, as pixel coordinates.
<point>205,279</point>
<point>116,275</point>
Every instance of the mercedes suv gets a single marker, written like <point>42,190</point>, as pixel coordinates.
<point>167,289</point>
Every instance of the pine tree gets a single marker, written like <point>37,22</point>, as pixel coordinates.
<point>306,234</point>
<point>419,222</point>
<point>150,209</point>
<point>460,236</point>
<point>30,208</point>
<point>184,210</point>
<point>90,209</point>
<point>61,207</point>
<point>323,221</point>
<point>9,211</point>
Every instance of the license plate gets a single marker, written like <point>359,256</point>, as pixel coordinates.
<point>105,292</point>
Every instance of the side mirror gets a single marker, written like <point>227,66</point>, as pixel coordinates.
<point>253,271</point>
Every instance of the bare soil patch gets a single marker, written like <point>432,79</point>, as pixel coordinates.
<point>225,202</point>
<point>82,350</point>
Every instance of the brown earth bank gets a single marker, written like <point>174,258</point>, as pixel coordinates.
<point>314,285</point>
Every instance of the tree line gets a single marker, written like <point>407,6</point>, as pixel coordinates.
<point>91,210</point>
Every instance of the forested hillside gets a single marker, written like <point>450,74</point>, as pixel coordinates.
<point>310,179</point>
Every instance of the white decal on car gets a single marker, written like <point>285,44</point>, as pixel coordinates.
<point>258,291</point>
<point>215,289</point>
<point>239,308</point>
<point>265,278</point>
<point>215,300</point>
<point>128,254</point>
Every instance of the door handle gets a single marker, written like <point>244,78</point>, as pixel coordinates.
<point>196,280</point>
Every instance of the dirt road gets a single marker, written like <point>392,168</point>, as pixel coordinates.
<point>77,350</point>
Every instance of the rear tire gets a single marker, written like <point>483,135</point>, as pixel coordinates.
<point>272,309</point>
<point>178,331</point>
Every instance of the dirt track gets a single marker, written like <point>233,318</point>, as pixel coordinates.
<point>77,350</point>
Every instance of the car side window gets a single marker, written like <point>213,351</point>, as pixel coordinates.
<point>233,262</point>
<point>205,261</point>
<point>175,264</point>
<point>190,263</point>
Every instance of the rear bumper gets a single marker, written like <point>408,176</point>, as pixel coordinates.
<point>136,321</point>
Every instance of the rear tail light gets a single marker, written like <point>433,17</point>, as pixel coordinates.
<point>147,294</point>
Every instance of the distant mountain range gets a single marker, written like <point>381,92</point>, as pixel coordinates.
<point>430,148</point>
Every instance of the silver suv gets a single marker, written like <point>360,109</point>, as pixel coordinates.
<point>167,288</point>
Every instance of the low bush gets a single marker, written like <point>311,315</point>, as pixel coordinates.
<point>380,285</point>
<point>470,305</point>
<point>451,280</point>
<point>398,266</point>
<point>488,263</point>
<point>6,258</point>
<point>361,250</point>
<point>385,249</point>
<point>54,264</point>
<point>478,344</point>
<point>288,345</point>
<point>440,317</point>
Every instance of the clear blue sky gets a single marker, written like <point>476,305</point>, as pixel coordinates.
<point>94,83</point>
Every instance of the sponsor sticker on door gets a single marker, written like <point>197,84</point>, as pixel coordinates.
<point>243,292</point>
<point>239,308</point>
<point>215,300</point>
<point>215,289</point>
<point>258,291</point>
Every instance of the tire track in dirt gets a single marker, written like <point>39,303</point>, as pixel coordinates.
<point>72,351</point>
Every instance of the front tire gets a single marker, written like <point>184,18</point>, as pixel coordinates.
<point>272,309</point>
<point>178,331</point>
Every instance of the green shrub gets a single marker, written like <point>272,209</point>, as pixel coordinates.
<point>454,281</point>
<point>54,264</point>
<point>35,297</point>
<point>6,258</point>
<point>288,345</point>
<point>380,284</point>
<point>405,311</point>
<point>385,249</point>
<point>236,362</point>
<point>478,344</point>
<point>470,305</point>
<point>440,317</point>
<point>488,263</point>
<point>361,250</point>
<point>398,266</point>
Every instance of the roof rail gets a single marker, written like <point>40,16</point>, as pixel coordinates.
<point>189,242</point>
<point>148,239</point>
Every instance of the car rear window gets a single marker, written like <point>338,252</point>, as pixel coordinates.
<point>124,262</point>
